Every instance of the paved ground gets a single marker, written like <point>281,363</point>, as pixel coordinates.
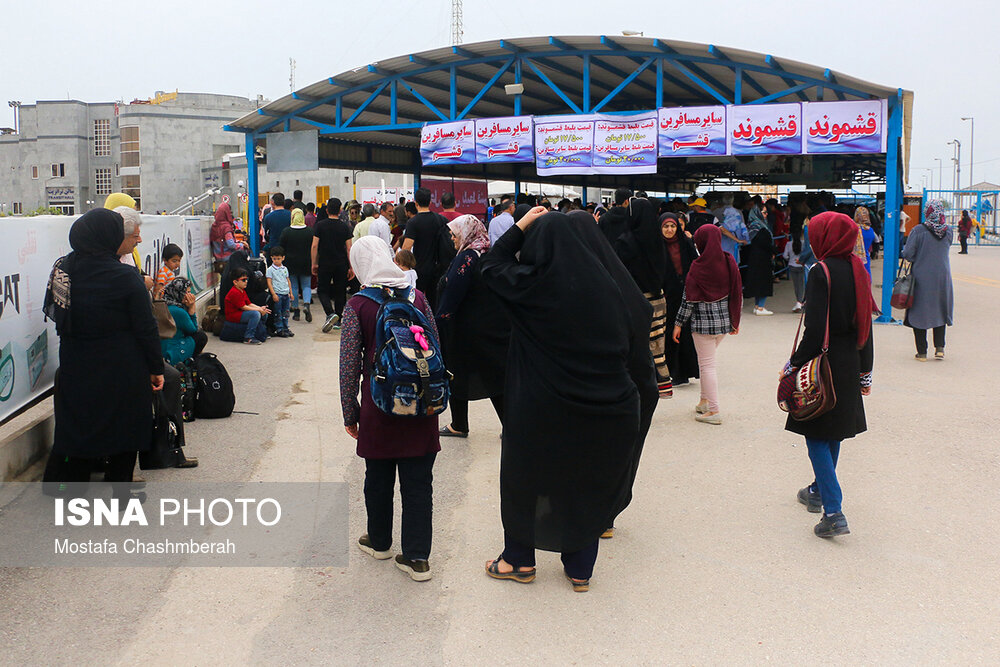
<point>714,562</point>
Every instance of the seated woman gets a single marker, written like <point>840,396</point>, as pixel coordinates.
<point>188,342</point>
<point>243,318</point>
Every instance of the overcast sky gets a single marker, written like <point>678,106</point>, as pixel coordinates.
<point>104,50</point>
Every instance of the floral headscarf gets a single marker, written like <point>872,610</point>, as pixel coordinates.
<point>470,232</point>
<point>175,290</point>
<point>862,217</point>
<point>934,218</point>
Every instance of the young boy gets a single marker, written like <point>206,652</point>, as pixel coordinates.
<point>406,261</point>
<point>279,285</point>
<point>172,255</point>
<point>240,310</point>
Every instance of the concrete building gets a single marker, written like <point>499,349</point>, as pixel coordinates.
<point>71,154</point>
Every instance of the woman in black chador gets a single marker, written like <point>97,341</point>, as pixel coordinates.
<point>580,391</point>
<point>109,355</point>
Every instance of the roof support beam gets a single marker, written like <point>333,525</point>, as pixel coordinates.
<point>702,74</point>
<point>718,53</point>
<point>704,86</point>
<point>621,86</point>
<point>773,64</point>
<point>828,75</point>
<point>365,104</point>
<point>782,93</point>
<point>486,86</point>
<point>427,103</point>
<point>556,89</point>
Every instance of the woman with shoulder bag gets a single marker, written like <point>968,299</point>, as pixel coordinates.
<point>927,248</point>
<point>847,299</point>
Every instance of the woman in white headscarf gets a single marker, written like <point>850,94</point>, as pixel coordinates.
<point>474,325</point>
<point>387,443</point>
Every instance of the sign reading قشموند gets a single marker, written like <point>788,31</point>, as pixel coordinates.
<point>845,127</point>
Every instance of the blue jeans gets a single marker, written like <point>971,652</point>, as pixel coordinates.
<point>281,308</point>
<point>759,301</point>
<point>254,328</point>
<point>300,282</point>
<point>824,454</point>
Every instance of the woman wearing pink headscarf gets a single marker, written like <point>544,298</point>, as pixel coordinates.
<point>847,298</point>
<point>223,234</point>
<point>475,329</point>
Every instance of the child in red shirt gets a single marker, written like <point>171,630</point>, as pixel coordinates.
<point>243,317</point>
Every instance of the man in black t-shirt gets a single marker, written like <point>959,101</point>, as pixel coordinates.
<point>423,240</point>
<point>330,264</point>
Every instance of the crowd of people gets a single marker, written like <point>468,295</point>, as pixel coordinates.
<point>510,300</point>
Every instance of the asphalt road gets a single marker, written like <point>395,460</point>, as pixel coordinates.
<point>714,562</point>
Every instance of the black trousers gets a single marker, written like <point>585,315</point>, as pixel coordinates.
<point>415,489</point>
<point>920,337</point>
<point>332,283</point>
<point>964,240</point>
<point>578,564</point>
<point>200,341</point>
<point>460,412</point>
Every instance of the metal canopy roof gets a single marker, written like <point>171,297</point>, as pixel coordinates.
<point>370,116</point>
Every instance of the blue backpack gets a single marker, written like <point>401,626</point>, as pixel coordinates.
<point>409,378</point>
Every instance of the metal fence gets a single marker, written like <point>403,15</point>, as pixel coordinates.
<point>982,206</point>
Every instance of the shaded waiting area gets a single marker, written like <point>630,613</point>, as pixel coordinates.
<point>371,117</point>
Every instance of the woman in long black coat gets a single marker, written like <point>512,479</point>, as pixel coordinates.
<point>474,326</point>
<point>580,391</point>
<point>758,255</point>
<point>682,359</point>
<point>850,306</point>
<point>109,355</point>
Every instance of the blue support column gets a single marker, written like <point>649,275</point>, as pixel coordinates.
<point>659,82</point>
<point>517,181</point>
<point>893,205</point>
<point>586,83</point>
<point>416,173</point>
<point>517,79</point>
<point>253,224</point>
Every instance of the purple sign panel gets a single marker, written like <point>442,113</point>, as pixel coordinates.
<point>844,127</point>
<point>692,131</point>
<point>504,139</point>
<point>625,144</point>
<point>448,143</point>
<point>564,144</point>
<point>765,129</point>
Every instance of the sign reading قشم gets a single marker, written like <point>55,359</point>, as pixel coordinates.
<point>448,143</point>
<point>692,131</point>
<point>503,139</point>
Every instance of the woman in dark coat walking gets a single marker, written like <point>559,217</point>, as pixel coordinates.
<point>643,253</point>
<point>847,297</point>
<point>933,306</point>
<point>474,326</point>
<point>682,359</point>
<point>388,443</point>
<point>580,391</point>
<point>758,283</point>
<point>109,355</point>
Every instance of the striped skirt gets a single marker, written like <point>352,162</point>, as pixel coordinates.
<point>658,343</point>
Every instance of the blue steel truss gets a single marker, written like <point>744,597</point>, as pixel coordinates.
<point>582,93</point>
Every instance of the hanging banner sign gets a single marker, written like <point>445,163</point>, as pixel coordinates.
<point>765,129</point>
<point>503,139</point>
<point>844,127</point>
<point>625,144</point>
<point>448,143</point>
<point>692,131</point>
<point>564,145</point>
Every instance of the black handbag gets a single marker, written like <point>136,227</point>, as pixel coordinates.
<point>165,451</point>
<point>902,290</point>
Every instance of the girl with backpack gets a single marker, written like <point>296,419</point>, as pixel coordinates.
<point>388,443</point>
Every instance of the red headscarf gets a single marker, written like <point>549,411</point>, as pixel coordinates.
<point>714,274</point>
<point>833,235</point>
<point>223,223</point>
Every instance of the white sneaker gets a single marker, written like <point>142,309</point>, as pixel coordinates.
<point>761,311</point>
<point>797,308</point>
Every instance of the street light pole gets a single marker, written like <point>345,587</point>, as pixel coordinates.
<point>972,146</point>
<point>940,173</point>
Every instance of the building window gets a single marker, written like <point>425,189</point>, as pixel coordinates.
<point>102,180</point>
<point>64,209</point>
<point>102,137</point>
<point>17,208</point>
<point>116,170</point>
<point>58,170</point>
<point>34,171</point>
<point>130,146</point>
<point>130,186</point>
